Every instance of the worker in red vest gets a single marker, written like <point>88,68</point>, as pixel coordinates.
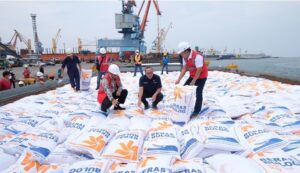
<point>26,72</point>
<point>195,64</point>
<point>102,63</point>
<point>111,91</point>
<point>5,81</point>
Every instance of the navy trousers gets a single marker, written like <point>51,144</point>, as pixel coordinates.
<point>74,79</point>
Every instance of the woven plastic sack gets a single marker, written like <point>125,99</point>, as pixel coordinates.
<point>123,168</point>
<point>99,166</point>
<point>50,169</point>
<point>276,162</point>
<point>6,160</point>
<point>157,164</point>
<point>25,164</point>
<point>85,79</point>
<point>91,141</point>
<point>192,165</point>
<point>162,139</point>
<point>125,146</point>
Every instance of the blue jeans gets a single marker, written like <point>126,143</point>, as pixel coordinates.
<point>162,70</point>
<point>99,77</point>
<point>200,85</point>
<point>136,67</point>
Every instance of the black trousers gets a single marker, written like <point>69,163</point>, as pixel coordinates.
<point>199,93</point>
<point>106,104</point>
<point>155,102</point>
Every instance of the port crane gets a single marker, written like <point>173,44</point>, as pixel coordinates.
<point>55,41</point>
<point>18,36</point>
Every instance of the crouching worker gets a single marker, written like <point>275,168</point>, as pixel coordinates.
<point>110,91</point>
<point>150,86</point>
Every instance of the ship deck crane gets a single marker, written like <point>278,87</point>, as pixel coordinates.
<point>55,40</point>
<point>145,18</point>
<point>17,35</point>
<point>158,42</point>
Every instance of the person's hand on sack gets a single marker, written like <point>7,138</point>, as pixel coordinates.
<point>115,102</point>
<point>192,83</point>
<point>118,93</point>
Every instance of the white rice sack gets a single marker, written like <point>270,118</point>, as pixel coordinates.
<point>230,163</point>
<point>206,152</point>
<point>125,146</point>
<point>192,142</point>
<point>276,162</point>
<point>4,138</point>
<point>162,139</point>
<point>25,164</point>
<point>85,79</point>
<point>24,123</point>
<point>293,142</point>
<point>158,164</point>
<point>99,166</point>
<point>74,125</point>
<point>220,136</point>
<point>192,165</point>
<point>61,155</point>
<point>156,113</point>
<point>54,124</point>
<point>42,144</point>
<point>91,141</point>
<point>6,160</point>
<point>54,168</point>
<point>123,168</point>
<point>283,117</point>
<point>18,144</point>
<point>135,112</point>
<point>256,138</point>
<point>182,103</point>
<point>294,153</point>
<point>118,124</point>
<point>236,111</point>
<point>140,123</point>
<point>117,113</point>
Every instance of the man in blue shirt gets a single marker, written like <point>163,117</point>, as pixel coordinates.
<point>74,68</point>
<point>150,86</point>
<point>165,63</point>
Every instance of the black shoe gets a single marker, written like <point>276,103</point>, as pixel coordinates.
<point>194,115</point>
<point>154,106</point>
<point>119,108</point>
<point>146,107</point>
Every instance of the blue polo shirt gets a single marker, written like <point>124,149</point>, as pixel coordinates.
<point>71,63</point>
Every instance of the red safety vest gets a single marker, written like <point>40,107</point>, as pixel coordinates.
<point>191,66</point>
<point>104,62</point>
<point>101,93</point>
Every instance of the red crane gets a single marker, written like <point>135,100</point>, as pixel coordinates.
<point>158,13</point>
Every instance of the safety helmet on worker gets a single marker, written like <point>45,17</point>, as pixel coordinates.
<point>21,83</point>
<point>114,69</point>
<point>26,65</point>
<point>137,51</point>
<point>182,46</point>
<point>165,53</point>
<point>69,51</point>
<point>102,50</point>
<point>39,74</point>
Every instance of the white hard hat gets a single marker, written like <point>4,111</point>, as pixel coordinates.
<point>69,51</point>
<point>182,46</point>
<point>137,51</point>
<point>102,50</point>
<point>21,83</point>
<point>39,74</point>
<point>114,69</point>
<point>25,65</point>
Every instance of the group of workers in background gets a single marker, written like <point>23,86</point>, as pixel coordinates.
<point>109,85</point>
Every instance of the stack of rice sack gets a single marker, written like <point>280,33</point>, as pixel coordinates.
<point>247,124</point>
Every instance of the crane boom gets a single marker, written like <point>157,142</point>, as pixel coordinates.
<point>55,40</point>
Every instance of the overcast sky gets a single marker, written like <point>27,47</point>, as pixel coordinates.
<point>272,27</point>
